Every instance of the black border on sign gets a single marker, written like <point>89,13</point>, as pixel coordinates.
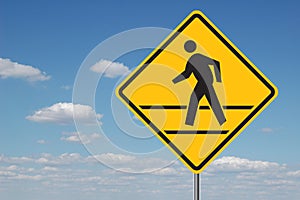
<point>236,53</point>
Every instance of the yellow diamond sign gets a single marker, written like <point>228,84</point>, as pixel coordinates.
<point>196,91</point>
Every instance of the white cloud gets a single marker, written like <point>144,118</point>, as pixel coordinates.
<point>231,163</point>
<point>15,160</point>
<point>9,69</point>
<point>294,173</point>
<point>114,158</point>
<point>7,173</point>
<point>267,130</point>
<point>110,69</point>
<point>45,158</point>
<point>132,164</point>
<point>62,113</point>
<point>41,142</point>
<point>278,182</point>
<point>47,168</point>
<point>80,175</point>
<point>66,87</point>
<point>79,138</point>
<point>63,159</point>
<point>27,177</point>
<point>12,167</point>
<point>166,171</point>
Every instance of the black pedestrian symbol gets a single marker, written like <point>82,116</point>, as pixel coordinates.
<point>199,65</point>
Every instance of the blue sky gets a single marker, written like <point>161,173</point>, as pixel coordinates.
<point>44,43</point>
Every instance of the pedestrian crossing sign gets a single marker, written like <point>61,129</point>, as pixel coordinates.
<point>196,91</point>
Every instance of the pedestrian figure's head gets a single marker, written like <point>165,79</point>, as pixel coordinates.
<point>190,46</point>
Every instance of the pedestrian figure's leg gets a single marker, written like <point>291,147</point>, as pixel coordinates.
<point>215,105</point>
<point>196,95</point>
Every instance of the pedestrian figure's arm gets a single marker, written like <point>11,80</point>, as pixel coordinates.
<point>216,65</point>
<point>217,70</point>
<point>184,75</point>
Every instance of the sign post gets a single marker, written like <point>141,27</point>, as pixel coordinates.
<point>197,185</point>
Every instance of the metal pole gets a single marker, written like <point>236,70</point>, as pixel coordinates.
<point>196,187</point>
